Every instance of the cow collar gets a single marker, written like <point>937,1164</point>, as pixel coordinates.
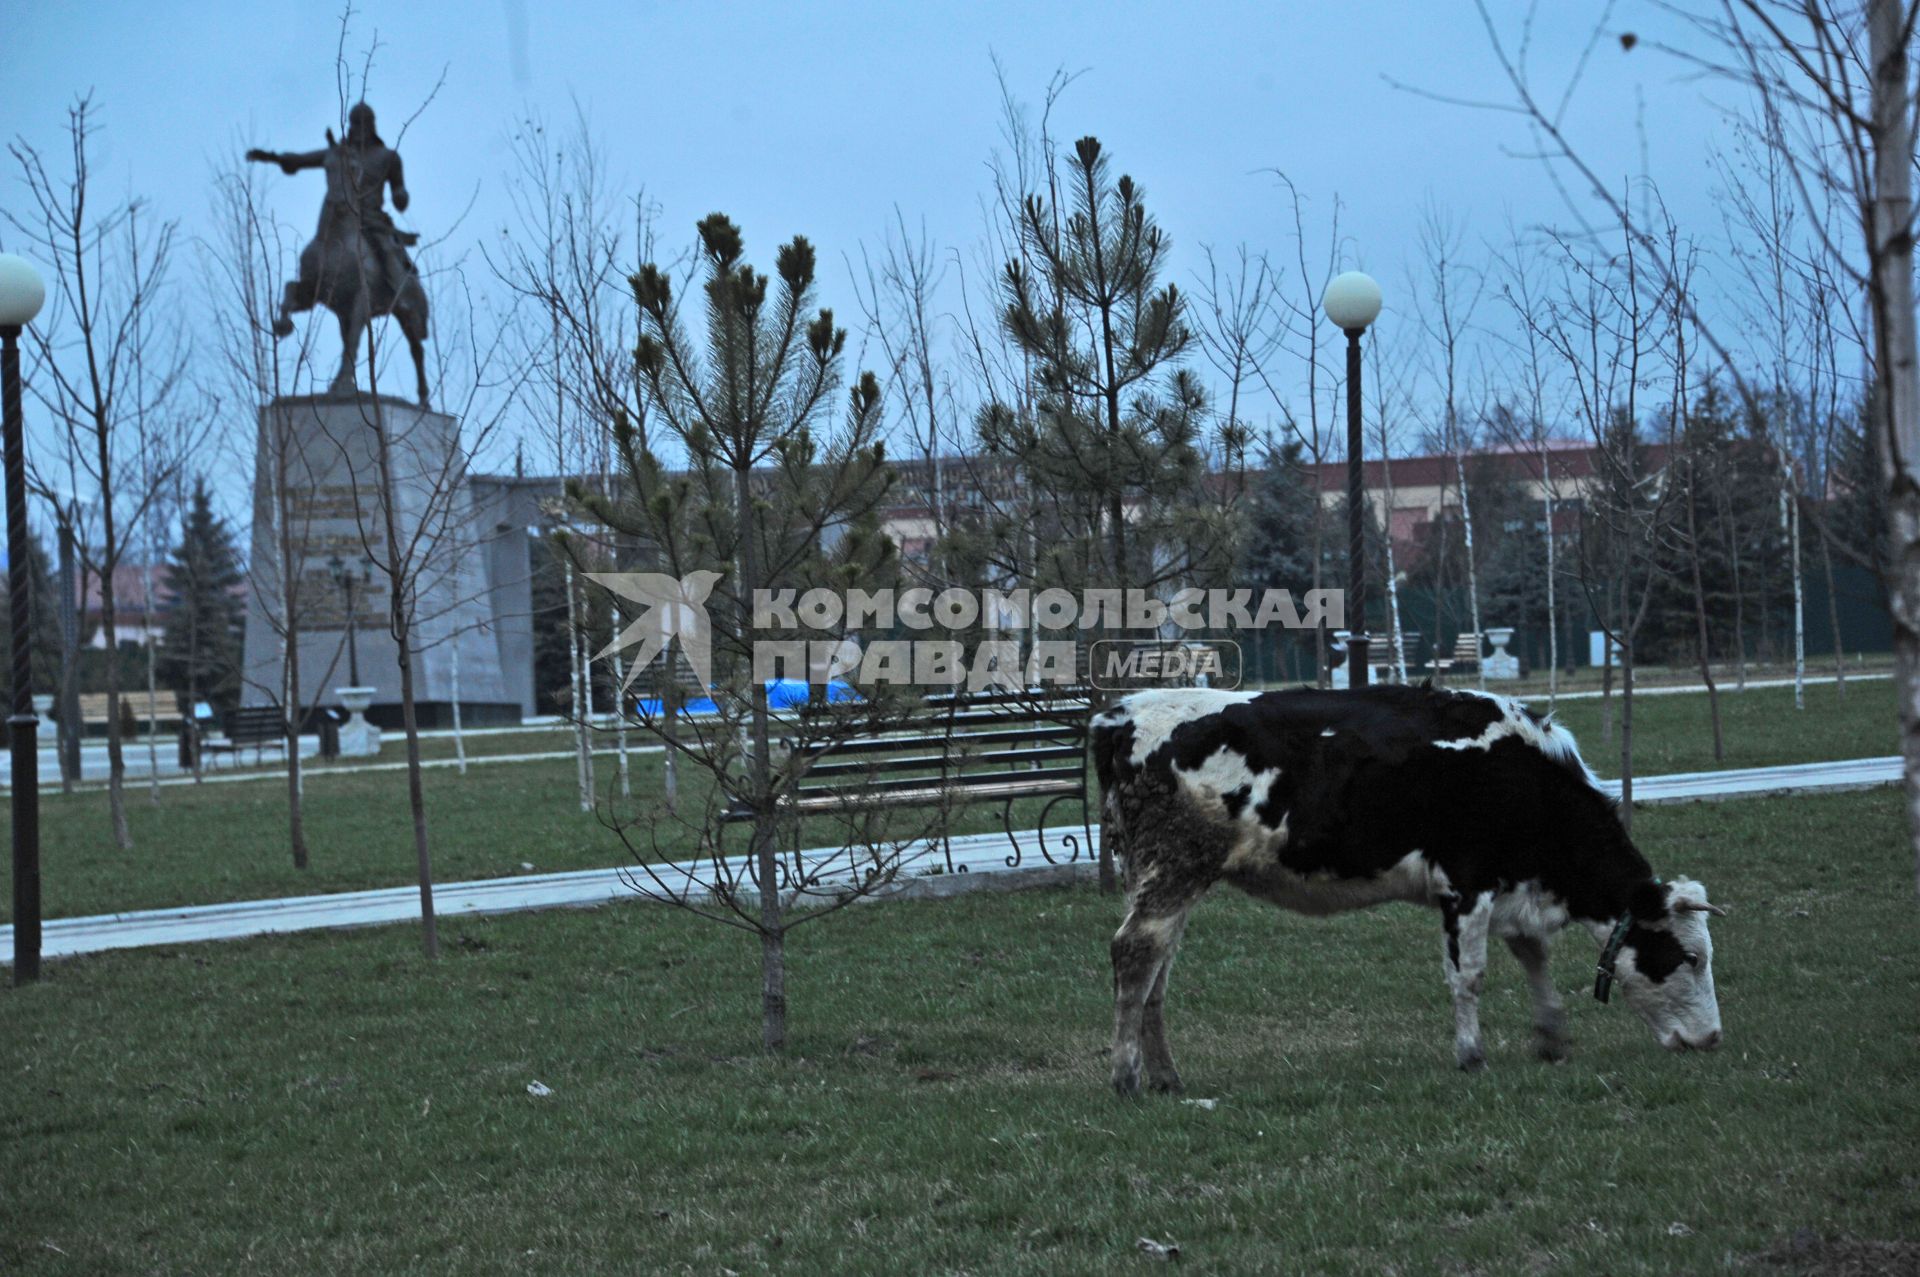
<point>1609,956</point>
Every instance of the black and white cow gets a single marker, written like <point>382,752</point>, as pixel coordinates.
<point>1325,801</point>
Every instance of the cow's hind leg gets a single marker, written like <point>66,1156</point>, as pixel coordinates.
<point>1161,1074</point>
<point>1465,964</point>
<point>1142,948</point>
<point>1549,1015</point>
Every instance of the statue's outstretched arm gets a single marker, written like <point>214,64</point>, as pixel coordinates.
<point>289,161</point>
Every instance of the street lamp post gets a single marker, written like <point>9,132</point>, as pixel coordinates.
<point>1352,301</point>
<point>21,294</point>
<point>344,577</point>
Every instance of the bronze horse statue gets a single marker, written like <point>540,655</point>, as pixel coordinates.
<point>357,265</point>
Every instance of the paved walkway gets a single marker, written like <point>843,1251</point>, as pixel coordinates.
<point>1726,687</point>
<point>980,862</point>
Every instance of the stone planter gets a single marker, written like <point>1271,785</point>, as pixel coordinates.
<point>1500,664</point>
<point>358,737</point>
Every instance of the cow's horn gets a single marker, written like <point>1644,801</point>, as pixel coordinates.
<point>1699,906</point>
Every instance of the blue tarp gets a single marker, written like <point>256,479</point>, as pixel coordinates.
<point>782,693</point>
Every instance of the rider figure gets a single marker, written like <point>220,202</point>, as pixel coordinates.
<point>357,170</point>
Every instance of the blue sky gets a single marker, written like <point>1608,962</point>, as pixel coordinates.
<point>820,119</point>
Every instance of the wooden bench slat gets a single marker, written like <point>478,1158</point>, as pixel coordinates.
<point>1030,775</point>
<point>895,744</point>
<point>955,758</point>
<point>929,796</point>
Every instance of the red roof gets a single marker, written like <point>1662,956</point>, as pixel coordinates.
<point>1568,460</point>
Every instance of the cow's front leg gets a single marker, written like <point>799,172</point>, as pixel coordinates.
<point>1549,1015</point>
<point>1141,950</point>
<point>1161,1074</point>
<point>1466,968</point>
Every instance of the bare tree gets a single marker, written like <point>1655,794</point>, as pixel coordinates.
<point>1521,292</point>
<point>1446,308</point>
<point>568,256</point>
<point>108,375</point>
<point>1763,232</point>
<point>1606,326</point>
<point>1840,78</point>
<point>244,259</point>
<point>899,305</point>
<point>1320,434</point>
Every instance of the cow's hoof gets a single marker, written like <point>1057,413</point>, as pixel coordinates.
<point>1169,1085</point>
<point>1126,1085</point>
<point>1472,1061</point>
<point>1554,1050</point>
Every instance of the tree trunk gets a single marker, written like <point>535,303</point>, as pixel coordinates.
<point>401,621</point>
<point>582,730</point>
<point>69,735</point>
<point>153,695</point>
<point>1626,734</point>
<point>1739,592</point>
<point>290,668</point>
<point>1553,619</point>
<point>1473,575</point>
<point>1790,531</point>
<point>116,757</point>
<point>459,738</point>
<point>1393,585</point>
<point>1833,612</point>
<point>764,852</point>
<point>1897,367</point>
<point>620,712</point>
<point>1700,611</point>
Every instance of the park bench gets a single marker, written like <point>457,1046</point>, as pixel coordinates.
<point>1466,653</point>
<point>998,748</point>
<point>259,728</point>
<point>155,710</point>
<point>94,718</point>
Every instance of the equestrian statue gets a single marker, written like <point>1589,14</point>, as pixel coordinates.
<point>357,265</point>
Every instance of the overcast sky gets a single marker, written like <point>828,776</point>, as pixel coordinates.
<point>820,119</point>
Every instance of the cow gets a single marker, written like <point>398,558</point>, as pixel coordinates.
<point>1320,802</point>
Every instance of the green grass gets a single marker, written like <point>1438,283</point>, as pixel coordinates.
<point>1760,726</point>
<point>332,1103</point>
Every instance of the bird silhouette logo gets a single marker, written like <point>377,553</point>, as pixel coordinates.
<point>669,608</point>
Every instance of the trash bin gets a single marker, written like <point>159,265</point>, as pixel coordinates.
<point>189,744</point>
<point>330,733</point>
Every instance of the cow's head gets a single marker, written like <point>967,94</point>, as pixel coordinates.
<point>1664,965</point>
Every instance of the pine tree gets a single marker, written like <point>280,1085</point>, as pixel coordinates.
<point>200,652</point>
<point>46,623</point>
<point>1114,445</point>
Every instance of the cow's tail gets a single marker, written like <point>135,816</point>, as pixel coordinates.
<point>1108,728</point>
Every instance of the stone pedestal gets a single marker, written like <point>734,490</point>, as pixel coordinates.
<point>358,737</point>
<point>1500,664</point>
<point>318,497</point>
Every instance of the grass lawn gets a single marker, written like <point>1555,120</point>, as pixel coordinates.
<point>1761,728</point>
<point>331,1103</point>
